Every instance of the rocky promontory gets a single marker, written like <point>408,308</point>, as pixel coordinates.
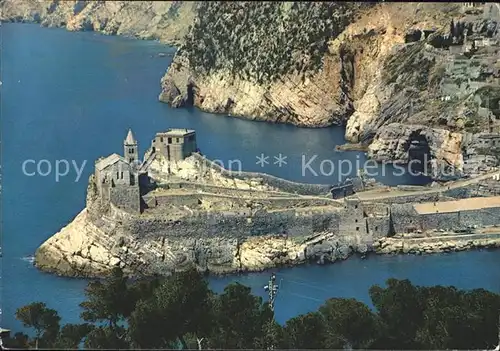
<point>199,216</point>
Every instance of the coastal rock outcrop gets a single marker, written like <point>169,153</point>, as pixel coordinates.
<point>167,21</point>
<point>378,64</point>
<point>437,150</point>
<point>81,249</point>
<point>448,244</point>
<point>361,65</point>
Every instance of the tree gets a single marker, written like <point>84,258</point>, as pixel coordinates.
<point>109,301</point>
<point>349,323</point>
<point>400,309</point>
<point>306,331</point>
<point>71,335</point>
<point>179,306</point>
<point>242,319</point>
<point>107,337</point>
<point>19,341</point>
<point>43,320</point>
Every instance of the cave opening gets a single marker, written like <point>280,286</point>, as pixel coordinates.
<point>419,152</point>
<point>190,94</point>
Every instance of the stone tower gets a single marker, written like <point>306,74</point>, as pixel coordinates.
<point>130,152</point>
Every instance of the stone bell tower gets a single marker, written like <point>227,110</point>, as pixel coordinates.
<point>130,152</point>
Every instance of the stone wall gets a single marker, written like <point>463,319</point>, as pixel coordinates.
<point>277,183</point>
<point>216,189</point>
<point>416,197</point>
<point>405,218</point>
<point>237,224</point>
<point>461,219</point>
<point>126,197</point>
<point>193,200</point>
<point>379,227</point>
<point>444,221</point>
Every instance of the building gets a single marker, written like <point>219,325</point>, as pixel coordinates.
<point>174,144</point>
<point>117,178</point>
<point>488,141</point>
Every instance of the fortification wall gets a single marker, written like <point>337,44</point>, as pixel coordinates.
<point>192,200</point>
<point>411,198</point>
<point>461,219</point>
<point>275,182</point>
<point>482,217</point>
<point>471,190</point>
<point>216,189</point>
<point>126,197</point>
<point>237,224</point>
<point>445,221</point>
<point>379,227</point>
<point>403,217</point>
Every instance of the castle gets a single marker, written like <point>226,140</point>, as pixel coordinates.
<point>120,179</point>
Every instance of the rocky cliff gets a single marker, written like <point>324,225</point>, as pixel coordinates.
<point>271,63</point>
<point>167,21</point>
<point>364,66</point>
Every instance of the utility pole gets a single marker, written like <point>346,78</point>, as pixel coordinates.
<point>272,289</point>
<point>498,346</point>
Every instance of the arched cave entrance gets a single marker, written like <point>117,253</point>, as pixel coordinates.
<point>419,153</point>
<point>190,94</point>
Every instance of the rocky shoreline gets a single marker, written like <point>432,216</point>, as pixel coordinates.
<point>442,244</point>
<point>165,21</point>
<point>76,252</point>
<point>79,250</point>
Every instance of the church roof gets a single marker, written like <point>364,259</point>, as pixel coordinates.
<point>109,161</point>
<point>130,138</point>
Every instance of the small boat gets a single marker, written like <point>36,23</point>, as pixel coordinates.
<point>30,259</point>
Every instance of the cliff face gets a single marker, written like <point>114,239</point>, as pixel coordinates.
<point>271,63</point>
<point>167,21</point>
<point>364,66</point>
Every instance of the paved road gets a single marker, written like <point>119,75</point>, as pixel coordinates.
<point>377,194</point>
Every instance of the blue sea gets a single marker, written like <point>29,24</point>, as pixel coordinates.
<point>69,98</point>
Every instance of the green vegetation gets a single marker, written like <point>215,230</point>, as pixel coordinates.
<point>260,41</point>
<point>182,312</point>
<point>411,66</point>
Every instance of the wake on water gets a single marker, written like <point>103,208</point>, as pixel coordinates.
<point>30,259</point>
